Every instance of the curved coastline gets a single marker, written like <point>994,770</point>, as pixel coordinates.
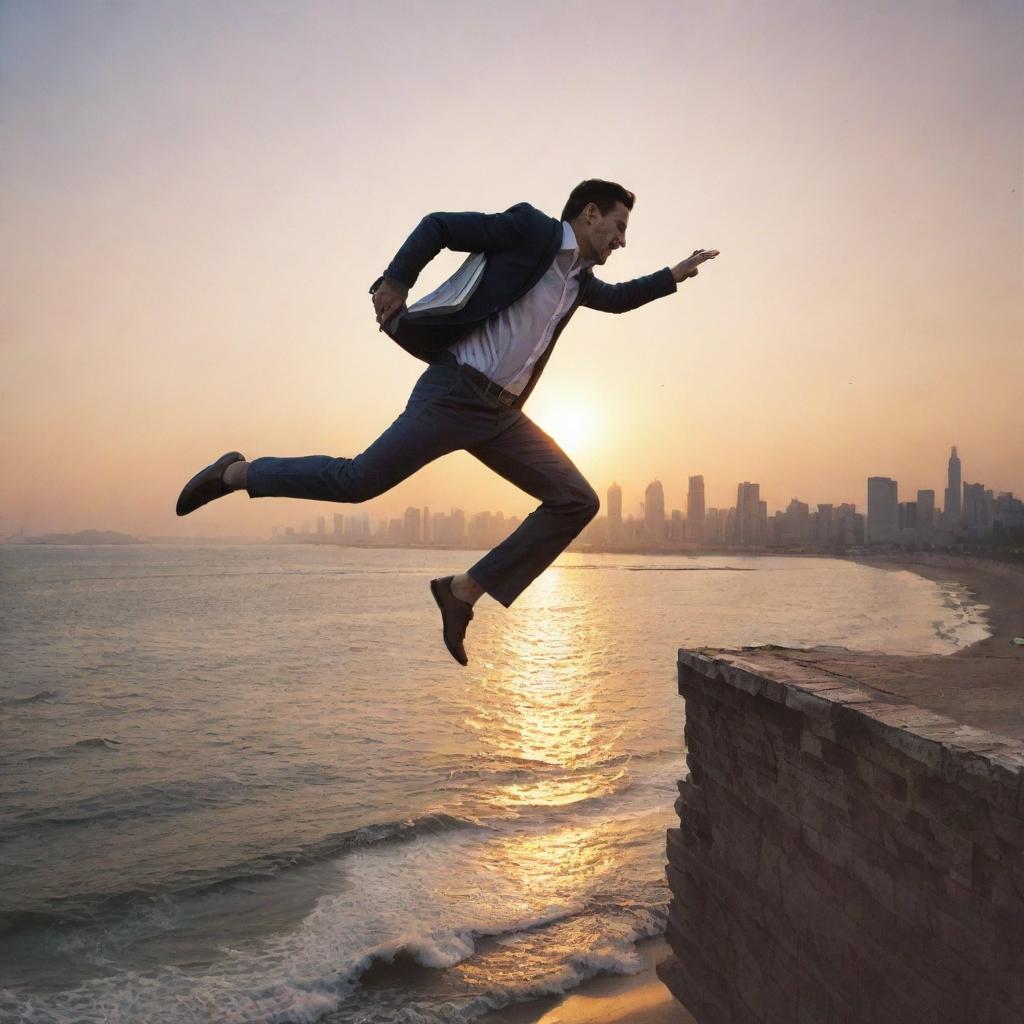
<point>997,588</point>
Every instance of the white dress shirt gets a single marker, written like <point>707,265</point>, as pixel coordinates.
<point>508,345</point>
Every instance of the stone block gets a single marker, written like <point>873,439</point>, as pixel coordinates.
<point>917,747</point>
<point>1009,829</point>
<point>814,706</point>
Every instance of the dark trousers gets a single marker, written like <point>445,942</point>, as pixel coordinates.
<point>446,412</point>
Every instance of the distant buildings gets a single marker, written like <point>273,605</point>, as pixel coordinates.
<point>751,525</point>
<point>978,510</point>
<point>925,513</point>
<point>695,510</point>
<point>883,510</point>
<point>614,514</point>
<point>975,516</point>
<point>951,515</point>
<point>654,512</point>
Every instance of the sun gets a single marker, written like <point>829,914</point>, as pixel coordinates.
<point>572,423</point>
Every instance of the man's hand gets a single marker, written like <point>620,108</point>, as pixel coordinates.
<point>388,299</point>
<point>688,268</point>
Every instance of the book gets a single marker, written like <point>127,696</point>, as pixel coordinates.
<point>454,293</point>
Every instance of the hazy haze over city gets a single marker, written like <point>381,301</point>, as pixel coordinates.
<point>198,196</point>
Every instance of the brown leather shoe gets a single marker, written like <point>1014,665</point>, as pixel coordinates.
<point>206,485</point>
<point>455,617</point>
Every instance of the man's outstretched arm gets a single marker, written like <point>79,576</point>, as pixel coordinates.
<point>620,298</point>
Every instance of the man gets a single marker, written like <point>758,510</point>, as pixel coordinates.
<point>486,351</point>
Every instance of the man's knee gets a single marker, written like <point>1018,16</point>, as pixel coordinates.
<point>585,503</point>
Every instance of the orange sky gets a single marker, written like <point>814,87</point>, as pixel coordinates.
<point>197,197</point>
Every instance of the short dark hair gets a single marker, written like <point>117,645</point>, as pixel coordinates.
<point>604,194</point>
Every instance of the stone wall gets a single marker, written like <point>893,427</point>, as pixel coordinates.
<point>842,856</point>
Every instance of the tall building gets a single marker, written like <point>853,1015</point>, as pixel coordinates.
<point>953,508</point>
<point>357,527</point>
<point>321,526</point>
<point>654,512</point>
<point>750,511</point>
<point>458,527</point>
<point>714,526</point>
<point>339,525</point>
<point>978,510</point>
<point>412,527</point>
<point>825,525</point>
<point>695,513</point>
<point>795,523</point>
<point>849,525</point>
<point>925,512</point>
<point>614,505</point>
<point>883,510</point>
<point>676,526</point>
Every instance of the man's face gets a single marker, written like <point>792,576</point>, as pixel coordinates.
<point>602,233</point>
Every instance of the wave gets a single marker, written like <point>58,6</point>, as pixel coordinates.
<point>71,749</point>
<point>36,698</point>
<point>295,986</point>
<point>87,909</point>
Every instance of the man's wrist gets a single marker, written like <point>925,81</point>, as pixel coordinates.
<point>396,286</point>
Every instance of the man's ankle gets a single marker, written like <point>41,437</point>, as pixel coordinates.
<point>465,588</point>
<point>236,476</point>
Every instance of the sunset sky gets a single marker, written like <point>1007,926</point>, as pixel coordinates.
<point>197,196</point>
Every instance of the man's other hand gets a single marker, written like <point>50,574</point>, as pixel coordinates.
<point>688,268</point>
<point>388,299</point>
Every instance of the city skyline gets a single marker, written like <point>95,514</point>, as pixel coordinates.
<point>746,523</point>
<point>615,502</point>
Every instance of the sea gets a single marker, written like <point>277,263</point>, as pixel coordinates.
<point>248,784</point>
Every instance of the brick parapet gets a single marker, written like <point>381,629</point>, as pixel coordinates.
<point>842,855</point>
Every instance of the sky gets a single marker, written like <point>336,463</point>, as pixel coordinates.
<point>196,198</point>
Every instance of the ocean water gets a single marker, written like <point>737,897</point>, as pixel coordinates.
<point>248,784</point>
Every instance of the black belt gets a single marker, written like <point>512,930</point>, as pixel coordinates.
<point>490,389</point>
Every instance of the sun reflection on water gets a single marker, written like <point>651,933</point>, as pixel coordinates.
<point>536,706</point>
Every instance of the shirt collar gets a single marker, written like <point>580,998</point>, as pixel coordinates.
<point>570,244</point>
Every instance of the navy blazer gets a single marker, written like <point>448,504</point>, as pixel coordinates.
<point>520,244</point>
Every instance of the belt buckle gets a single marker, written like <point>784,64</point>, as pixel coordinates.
<point>506,398</point>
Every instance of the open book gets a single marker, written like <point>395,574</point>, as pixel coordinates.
<point>451,296</point>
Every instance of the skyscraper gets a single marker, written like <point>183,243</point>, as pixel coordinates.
<point>953,508</point>
<point>925,512</point>
<point>412,526</point>
<point>615,503</point>
<point>749,512</point>
<point>614,512</point>
<point>978,509</point>
<point>695,510</point>
<point>883,510</point>
<point>654,512</point>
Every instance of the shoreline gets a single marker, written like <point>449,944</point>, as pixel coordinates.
<point>996,586</point>
<point>640,998</point>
